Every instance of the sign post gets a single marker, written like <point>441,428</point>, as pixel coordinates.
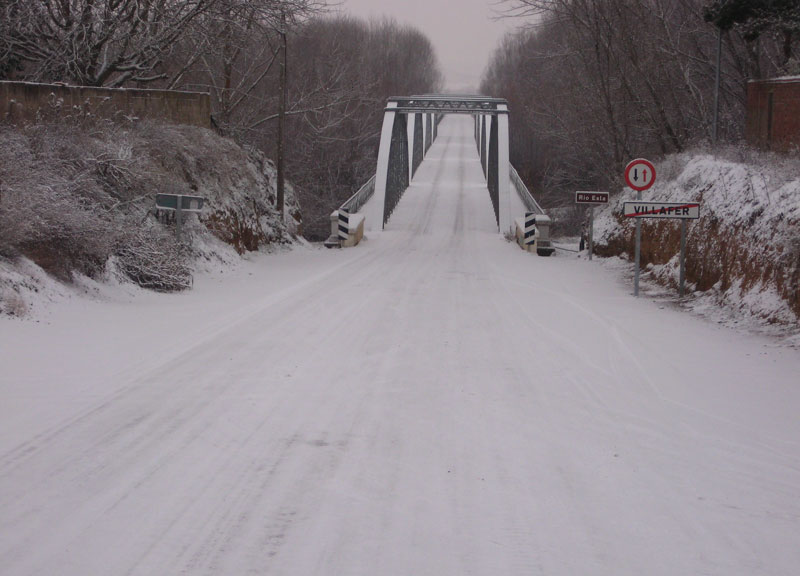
<point>682,211</point>
<point>683,258</point>
<point>640,175</point>
<point>591,198</point>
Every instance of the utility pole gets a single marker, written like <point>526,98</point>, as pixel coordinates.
<point>279,201</point>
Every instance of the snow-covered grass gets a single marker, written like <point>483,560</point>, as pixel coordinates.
<point>743,254</point>
<point>713,305</point>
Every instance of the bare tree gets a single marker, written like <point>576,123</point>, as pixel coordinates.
<point>231,52</point>
<point>342,72</point>
<point>96,42</point>
<point>603,81</point>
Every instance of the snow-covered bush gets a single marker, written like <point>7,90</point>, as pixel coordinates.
<point>76,192</point>
<point>153,259</point>
<point>49,210</point>
<point>239,183</point>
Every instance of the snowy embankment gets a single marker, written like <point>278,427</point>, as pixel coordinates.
<point>77,203</point>
<point>743,254</point>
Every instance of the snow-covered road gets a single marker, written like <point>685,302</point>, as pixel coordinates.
<point>432,402</point>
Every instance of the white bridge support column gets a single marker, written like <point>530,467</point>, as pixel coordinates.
<point>478,133</point>
<point>424,135</point>
<point>427,137</point>
<point>375,220</point>
<point>481,137</point>
<point>504,169</point>
<point>412,124</point>
<point>486,123</point>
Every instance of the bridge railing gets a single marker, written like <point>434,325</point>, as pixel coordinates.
<point>532,231</point>
<point>357,200</point>
<point>341,219</point>
<point>530,203</point>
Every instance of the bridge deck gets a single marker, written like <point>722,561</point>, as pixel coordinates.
<point>448,192</point>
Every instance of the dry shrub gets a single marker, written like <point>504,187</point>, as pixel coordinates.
<point>49,210</point>
<point>153,259</point>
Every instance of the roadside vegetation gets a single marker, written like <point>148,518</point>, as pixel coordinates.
<point>77,195</point>
<point>594,84</point>
<point>77,192</point>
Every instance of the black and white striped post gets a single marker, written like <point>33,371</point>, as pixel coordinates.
<point>530,228</point>
<point>344,224</point>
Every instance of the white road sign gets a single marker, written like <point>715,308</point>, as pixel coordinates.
<point>187,203</point>
<point>584,197</point>
<point>676,210</point>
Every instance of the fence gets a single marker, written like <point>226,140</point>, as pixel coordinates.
<point>29,102</point>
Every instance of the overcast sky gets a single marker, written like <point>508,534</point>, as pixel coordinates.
<point>462,31</point>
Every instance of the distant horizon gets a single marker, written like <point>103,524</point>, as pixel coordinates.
<point>463,53</point>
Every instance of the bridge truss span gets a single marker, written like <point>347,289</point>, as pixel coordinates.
<point>410,126</point>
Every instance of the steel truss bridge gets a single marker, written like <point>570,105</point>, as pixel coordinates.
<point>410,126</point>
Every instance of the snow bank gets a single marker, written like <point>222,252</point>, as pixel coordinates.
<point>742,254</point>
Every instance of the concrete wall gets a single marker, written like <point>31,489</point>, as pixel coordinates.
<point>25,101</point>
<point>773,113</point>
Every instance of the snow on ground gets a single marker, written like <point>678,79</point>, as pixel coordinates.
<point>745,315</point>
<point>434,401</point>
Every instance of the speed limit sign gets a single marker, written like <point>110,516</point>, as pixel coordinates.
<point>640,174</point>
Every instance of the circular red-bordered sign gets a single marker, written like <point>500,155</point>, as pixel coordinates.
<point>640,174</point>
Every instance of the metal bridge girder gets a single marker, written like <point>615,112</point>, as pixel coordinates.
<point>450,104</point>
<point>382,171</point>
<point>504,173</point>
<point>419,143</point>
<point>409,128</point>
<point>428,131</point>
<point>484,142</point>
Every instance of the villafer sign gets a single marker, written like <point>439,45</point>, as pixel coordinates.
<point>676,210</point>
<point>682,211</point>
<point>591,197</point>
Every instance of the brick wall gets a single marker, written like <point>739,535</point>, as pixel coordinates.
<point>25,101</point>
<point>773,113</point>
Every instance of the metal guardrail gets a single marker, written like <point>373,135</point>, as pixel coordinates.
<point>357,200</point>
<point>524,194</point>
<point>340,219</point>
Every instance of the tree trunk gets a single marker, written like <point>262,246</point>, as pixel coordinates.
<point>279,200</point>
